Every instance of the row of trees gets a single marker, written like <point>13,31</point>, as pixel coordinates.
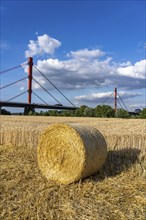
<point>104,111</point>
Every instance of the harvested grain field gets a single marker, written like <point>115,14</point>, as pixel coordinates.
<point>116,192</point>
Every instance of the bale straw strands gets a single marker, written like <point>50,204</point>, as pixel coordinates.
<point>67,153</point>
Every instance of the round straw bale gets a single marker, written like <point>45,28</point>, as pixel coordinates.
<point>67,153</point>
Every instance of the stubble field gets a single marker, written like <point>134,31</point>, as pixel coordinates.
<point>116,192</point>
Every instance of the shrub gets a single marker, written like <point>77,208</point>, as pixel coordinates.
<point>104,111</point>
<point>4,112</point>
<point>143,113</point>
<point>89,112</point>
<point>121,113</point>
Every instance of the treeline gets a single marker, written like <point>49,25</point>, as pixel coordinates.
<point>102,111</point>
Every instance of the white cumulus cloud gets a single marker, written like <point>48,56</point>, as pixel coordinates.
<point>93,96</point>
<point>86,53</point>
<point>43,45</point>
<point>38,79</point>
<point>135,71</point>
<point>85,68</point>
<point>84,73</point>
<point>78,73</point>
<point>101,96</point>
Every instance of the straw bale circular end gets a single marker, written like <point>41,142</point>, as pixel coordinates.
<point>67,153</point>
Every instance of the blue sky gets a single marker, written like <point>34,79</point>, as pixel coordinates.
<point>86,48</point>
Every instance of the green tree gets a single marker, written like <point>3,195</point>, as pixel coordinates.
<point>121,113</point>
<point>46,113</point>
<point>72,113</point>
<point>36,114</point>
<point>67,113</point>
<point>30,113</point>
<point>98,111</point>
<point>53,112</point>
<point>104,111</point>
<point>79,112</point>
<point>143,113</point>
<point>4,112</point>
<point>88,112</point>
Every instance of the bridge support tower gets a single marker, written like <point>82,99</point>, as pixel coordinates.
<point>30,65</point>
<point>115,99</point>
<point>30,77</point>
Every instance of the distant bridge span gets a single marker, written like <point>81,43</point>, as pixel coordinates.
<point>33,106</point>
<point>41,106</point>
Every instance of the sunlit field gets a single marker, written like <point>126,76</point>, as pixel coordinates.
<point>116,192</point>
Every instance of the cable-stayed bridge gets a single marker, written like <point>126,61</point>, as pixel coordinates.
<point>29,106</point>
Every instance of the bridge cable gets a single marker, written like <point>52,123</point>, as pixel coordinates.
<point>13,83</point>
<point>13,68</point>
<point>119,103</point>
<point>110,101</point>
<point>122,102</point>
<point>106,98</point>
<point>46,90</point>
<point>40,98</point>
<point>53,85</point>
<point>16,96</point>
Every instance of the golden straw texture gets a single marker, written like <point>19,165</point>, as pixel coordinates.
<point>67,153</point>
